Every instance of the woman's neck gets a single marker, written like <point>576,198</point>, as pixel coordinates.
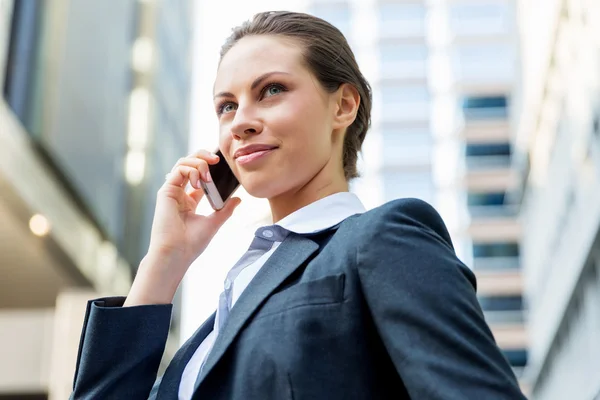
<point>317,188</point>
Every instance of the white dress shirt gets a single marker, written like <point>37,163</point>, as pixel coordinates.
<point>315,217</point>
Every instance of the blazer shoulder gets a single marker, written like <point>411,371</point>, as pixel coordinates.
<point>401,214</point>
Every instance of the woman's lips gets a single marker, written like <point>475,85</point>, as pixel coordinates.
<point>254,156</point>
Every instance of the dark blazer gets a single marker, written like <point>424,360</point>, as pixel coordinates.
<point>377,308</point>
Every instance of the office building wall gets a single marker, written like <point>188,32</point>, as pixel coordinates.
<point>389,39</point>
<point>474,50</point>
<point>557,140</point>
<point>94,113</point>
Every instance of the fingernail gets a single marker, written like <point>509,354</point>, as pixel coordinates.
<point>198,184</point>
<point>208,177</point>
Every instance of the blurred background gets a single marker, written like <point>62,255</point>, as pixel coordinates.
<point>487,109</point>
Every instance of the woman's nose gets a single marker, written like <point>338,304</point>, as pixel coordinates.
<point>244,124</point>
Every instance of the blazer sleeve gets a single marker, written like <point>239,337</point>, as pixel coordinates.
<point>120,350</point>
<point>424,305</point>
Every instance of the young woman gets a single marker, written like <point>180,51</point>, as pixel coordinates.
<point>332,302</point>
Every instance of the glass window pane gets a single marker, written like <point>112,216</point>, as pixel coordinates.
<point>474,62</point>
<point>405,102</point>
<point>398,52</point>
<point>23,61</point>
<point>476,108</point>
<point>483,54</point>
<point>486,199</point>
<point>398,19</point>
<point>400,60</point>
<point>402,184</point>
<point>488,149</point>
<point>516,358</point>
<point>397,12</point>
<point>406,146</point>
<point>336,14</point>
<point>477,19</point>
<point>502,249</point>
<point>404,94</point>
<point>501,303</point>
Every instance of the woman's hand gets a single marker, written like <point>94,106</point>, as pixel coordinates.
<point>179,235</point>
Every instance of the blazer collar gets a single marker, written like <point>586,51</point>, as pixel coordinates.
<point>288,257</point>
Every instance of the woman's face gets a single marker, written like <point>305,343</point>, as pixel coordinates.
<point>276,121</point>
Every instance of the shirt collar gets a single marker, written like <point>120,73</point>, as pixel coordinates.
<point>323,214</point>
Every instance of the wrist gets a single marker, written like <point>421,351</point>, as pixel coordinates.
<point>156,280</point>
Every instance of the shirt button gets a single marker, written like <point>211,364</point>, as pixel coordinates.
<point>227,284</point>
<point>268,233</point>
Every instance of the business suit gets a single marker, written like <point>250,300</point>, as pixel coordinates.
<point>378,308</point>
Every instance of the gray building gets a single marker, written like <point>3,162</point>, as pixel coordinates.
<point>557,140</point>
<point>94,112</point>
<point>389,39</point>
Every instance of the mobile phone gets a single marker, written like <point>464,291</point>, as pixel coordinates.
<point>223,183</point>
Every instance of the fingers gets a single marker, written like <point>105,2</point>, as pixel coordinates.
<point>197,195</point>
<point>208,156</point>
<point>181,173</point>
<point>219,217</point>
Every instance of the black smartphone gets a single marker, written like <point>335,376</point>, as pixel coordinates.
<point>223,185</point>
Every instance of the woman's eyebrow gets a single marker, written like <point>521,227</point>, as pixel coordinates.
<point>255,84</point>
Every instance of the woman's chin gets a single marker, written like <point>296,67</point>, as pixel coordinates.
<point>262,188</point>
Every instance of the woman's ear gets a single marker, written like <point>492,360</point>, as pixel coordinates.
<point>347,103</point>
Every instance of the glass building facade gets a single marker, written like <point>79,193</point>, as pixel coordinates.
<point>557,155</point>
<point>94,113</point>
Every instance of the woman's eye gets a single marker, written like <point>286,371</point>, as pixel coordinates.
<point>227,108</point>
<point>273,90</point>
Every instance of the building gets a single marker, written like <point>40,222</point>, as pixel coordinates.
<point>94,112</point>
<point>393,55</point>
<point>475,44</point>
<point>557,141</point>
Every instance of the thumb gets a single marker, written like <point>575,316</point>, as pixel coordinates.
<point>219,217</point>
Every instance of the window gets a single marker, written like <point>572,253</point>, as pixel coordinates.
<point>486,199</point>
<point>504,317</point>
<point>403,95</point>
<point>506,249</point>
<point>336,14</point>
<point>402,52</point>
<point>488,155</point>
<point>490,205</point>
<point>477,62</point>
<point>406,146</point>
<point>485,107</point>
<point>399,59</point>
<point>399,12</point>
<point>516,358</point>
<point>398,19</point>
<point>405,101</point>
<point>480,19</point>
<point>401,184</point>
<point>488,149</point>
<point>501,303</point>
<point>497,264</point>
<point>483,54</point>
<point>23,61</point>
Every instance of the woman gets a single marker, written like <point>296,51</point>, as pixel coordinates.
<point>338,303</point>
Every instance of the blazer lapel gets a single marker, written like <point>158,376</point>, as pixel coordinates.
<point>290,255</point>
<point>169,386</point>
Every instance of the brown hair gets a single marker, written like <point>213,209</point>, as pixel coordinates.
<point>330,59</point>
